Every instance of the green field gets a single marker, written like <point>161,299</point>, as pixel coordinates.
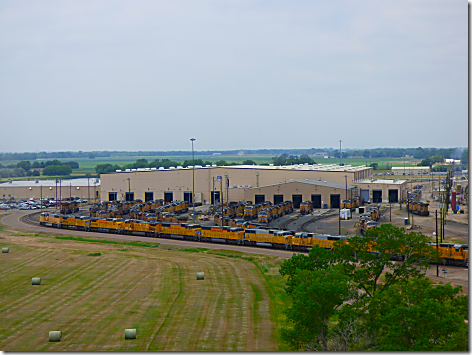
<point>87,166</point>
<point>92,290</point>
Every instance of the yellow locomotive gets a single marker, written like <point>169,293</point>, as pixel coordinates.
<point>306,207</point>
<point>249,234</point>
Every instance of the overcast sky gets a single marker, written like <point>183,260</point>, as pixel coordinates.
<point>149,75</point>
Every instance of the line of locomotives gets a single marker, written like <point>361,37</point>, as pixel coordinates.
<point>273,238</point>
<point>415,206</point>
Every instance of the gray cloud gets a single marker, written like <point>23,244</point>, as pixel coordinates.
<point>237,74</point>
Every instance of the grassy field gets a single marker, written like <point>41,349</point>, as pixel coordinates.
<point>87,166</point>
<point>92,290</point>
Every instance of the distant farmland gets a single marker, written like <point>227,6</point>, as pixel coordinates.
<point>87,165</point>
<point>92,292</point>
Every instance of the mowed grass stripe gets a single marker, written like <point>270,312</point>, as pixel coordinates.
<point>157,340</point>
<point>80,294</point>
<point>233,338</point>
<point>158,305</point>
<point>177,333</point>
<point>162,299</point>
<point>138,314</point>
<point>13,269</point>
<point>217,304</point>
<point>103,310</point>
<point>130,314</point>
<point>197,312</point>
<point>19,283</point>
<point>48,288</point>
<point>195,318</point>
<point>261,318</point>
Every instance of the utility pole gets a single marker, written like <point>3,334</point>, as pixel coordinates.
<point>227,191</point>
<point>213,191</point>
<point>70,192</point>
<point>437,246</point>
<point>60,193</point>
<point>88,188</point>
<point>345,178</point>
<point>444,223</point>
<point>55,205</point>
<point>408,205</point>
<point>340,153</point>
<point>129,189</point>
<point>41,187</point>
<point>193,181</point>
<point>221,199</point>
<point>339,217</point>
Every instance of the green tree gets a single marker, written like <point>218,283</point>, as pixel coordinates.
<point>365,269</point>
<point>106,168</point>
<point>249,162</point>
<point>24,164</point>
<point>72,164</point>
<point>375,166</point>
<point>465,157</point>
<point>140,163</point>
<point>368,258</point>
<point>55,170</point>
<point>415,316</point>
<point>316,297</point>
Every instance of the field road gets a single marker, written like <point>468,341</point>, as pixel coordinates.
<point>455,275</point>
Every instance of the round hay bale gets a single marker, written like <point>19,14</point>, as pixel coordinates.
<point>55,335</point>
<point>130,334</point>
<point>5,250</point>
<point>36,281</point>
<point>200,275</point>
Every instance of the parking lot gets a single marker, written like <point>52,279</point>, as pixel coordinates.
<point>33,204</point>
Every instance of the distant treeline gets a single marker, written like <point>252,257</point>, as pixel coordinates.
<point>50,168</point>
<point>418,153</point>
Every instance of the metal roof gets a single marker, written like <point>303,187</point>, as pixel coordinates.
<point>382,181</point>
<point>296,167</point>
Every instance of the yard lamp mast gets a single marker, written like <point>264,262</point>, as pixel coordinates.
<point>193,180</point>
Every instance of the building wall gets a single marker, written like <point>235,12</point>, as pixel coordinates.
<point>417,170</point>
<point>179,181</point>
<point>297,188</point>
<point>371,186</point>
<point>25,192</point>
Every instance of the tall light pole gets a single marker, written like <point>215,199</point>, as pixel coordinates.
<point>193,180</point>
<point>340,153</point>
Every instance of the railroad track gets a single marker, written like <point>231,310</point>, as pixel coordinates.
<point>31,219</point>
<point>304,225</point>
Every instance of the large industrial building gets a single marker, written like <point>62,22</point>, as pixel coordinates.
<point>243,183</point>
<point>411,170</point>
<point>50,189</point>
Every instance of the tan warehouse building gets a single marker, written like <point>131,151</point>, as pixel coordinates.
<point>176,183</point>
<point>81,188</point>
